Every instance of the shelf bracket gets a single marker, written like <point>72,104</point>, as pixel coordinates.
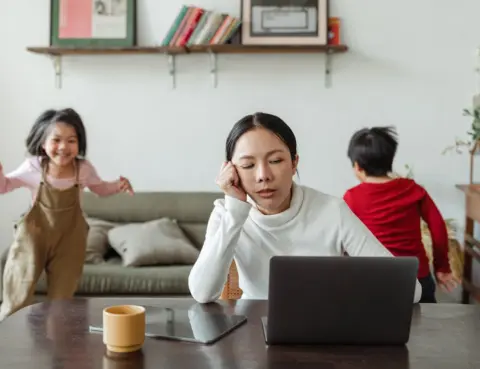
<point>57,67</point>
<point>328,68</point>
<point>213,68</point>
<point>172,69</point>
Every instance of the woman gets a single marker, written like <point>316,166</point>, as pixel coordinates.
<point>265,213</point>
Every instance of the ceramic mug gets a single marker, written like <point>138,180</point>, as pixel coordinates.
<point>124,328</point>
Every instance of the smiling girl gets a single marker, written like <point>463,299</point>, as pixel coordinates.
<point>52,235</point>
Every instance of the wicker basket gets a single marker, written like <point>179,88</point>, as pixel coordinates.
<point>455,252</point>
<point>231,290</point>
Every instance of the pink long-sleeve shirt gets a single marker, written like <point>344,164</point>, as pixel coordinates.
<point>29,175</point>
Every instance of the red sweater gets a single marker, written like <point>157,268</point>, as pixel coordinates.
<point>392,212</point>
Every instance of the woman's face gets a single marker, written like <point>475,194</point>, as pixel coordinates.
<point>265,169</point>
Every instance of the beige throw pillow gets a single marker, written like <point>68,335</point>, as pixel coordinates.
<point>97,240</point>
<point>157,242</point>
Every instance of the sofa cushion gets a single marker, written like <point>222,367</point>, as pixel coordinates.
<point>97,240</point>
<point>195,233</point>
<point>158,242</point>
<point>113,278</point>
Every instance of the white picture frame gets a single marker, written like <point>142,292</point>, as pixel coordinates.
<point>283,22</point>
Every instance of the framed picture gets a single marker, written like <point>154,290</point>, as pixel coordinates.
<point>284,22</point>
<point>93,23</point>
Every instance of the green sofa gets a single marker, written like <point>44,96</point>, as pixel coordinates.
<point>111,278</point>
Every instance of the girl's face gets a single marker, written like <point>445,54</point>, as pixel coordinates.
<point>265,169</point>
<point>61,144</point>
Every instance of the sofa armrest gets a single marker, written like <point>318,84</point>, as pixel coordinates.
<point>3,260</point>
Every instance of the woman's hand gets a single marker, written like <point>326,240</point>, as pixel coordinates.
<point>229,182</point>
<point>125,186</point>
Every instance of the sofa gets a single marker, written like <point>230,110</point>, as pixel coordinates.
<point>110,277</point>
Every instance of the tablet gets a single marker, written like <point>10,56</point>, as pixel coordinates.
<point>191,324</point>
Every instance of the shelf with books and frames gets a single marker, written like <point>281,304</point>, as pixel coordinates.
<point>197,30</point>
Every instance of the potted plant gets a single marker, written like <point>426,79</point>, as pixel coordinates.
<point>473,144</point>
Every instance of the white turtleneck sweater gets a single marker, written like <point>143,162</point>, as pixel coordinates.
<point>316,224</point>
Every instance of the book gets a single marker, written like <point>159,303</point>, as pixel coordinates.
<point>199,26</point>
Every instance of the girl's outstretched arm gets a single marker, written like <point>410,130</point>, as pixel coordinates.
<point>20,177</point>
<point>91,180</point>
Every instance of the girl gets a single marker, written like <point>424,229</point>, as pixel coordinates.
<point>52,235</point>
<point>265,213</point>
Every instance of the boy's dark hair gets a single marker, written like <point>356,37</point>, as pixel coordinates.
<point>40,129</point>
<point>374,149</point>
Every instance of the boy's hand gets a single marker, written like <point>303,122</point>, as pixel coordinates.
<point>125,185</point>
<point>447,281</point>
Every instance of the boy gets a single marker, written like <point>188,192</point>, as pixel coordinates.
<point>392,207</point>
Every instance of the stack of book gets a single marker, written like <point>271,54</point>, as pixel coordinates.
<point>197,26</point>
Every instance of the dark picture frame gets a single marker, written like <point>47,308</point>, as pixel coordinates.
<point>87,15</point>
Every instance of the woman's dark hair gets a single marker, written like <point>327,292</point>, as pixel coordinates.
<point>40,129</point>
<point>374,149</point>
<point>263,120</point>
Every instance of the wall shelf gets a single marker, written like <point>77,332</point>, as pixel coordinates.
<point>471,247</point>
<point>56,53</point>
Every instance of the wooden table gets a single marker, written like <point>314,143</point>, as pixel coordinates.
<point>55,335</point>
<point>471,245</point>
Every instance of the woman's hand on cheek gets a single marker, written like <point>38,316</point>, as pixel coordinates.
<point>229,182</point>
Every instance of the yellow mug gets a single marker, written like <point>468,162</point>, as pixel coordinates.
<point>124,328</point>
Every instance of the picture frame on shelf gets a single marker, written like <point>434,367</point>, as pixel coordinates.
<point>284,22</point>
<point>93,23</point>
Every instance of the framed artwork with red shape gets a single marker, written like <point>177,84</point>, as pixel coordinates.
<point>93,23</point>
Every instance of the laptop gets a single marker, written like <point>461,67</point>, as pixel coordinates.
<point>340,300</point>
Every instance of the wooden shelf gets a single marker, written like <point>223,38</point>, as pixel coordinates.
<point>56,53</point>
<point>217,49</point>
<point>471,247</point>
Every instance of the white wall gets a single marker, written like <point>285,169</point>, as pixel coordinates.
<point>410,64</point>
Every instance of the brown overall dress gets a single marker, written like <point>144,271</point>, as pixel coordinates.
<point>51,236</point>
